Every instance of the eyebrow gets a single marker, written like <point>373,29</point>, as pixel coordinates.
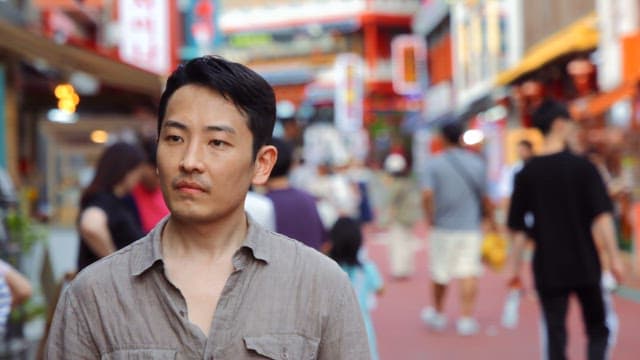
<point>215,128</point>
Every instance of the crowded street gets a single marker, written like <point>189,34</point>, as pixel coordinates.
<point>319,179</point>
<point>402,335</point>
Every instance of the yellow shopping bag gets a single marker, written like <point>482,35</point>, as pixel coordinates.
<point>494,250</point>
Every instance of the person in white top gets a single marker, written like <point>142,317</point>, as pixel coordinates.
<point>260,208</point>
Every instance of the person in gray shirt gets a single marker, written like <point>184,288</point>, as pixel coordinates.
<point>454,196</point>
<point>208,282</point>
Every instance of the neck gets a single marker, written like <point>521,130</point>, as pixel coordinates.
<point>208,241</point>
<point>279,183</point>
<point>553,144</point>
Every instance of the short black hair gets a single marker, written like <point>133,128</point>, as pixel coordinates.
<point>452,132</point>
<point>249,92</point>
<point>285,157</point>
<point>346,239</point>
<point>546,113</point>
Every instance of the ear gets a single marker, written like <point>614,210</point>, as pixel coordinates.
<point>265,160</point>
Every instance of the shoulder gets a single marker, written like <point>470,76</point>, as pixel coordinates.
<point>100,199</point>
<point>310,264</point>
<point>471,156</point>
<point>369,265</point>
<point>113,269</point>
<point>577,162</point>
<point>436,162</point>
<point>302,194</point>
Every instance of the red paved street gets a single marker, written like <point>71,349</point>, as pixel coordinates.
<point>401,334</point>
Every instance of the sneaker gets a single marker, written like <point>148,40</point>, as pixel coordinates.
<point>467,326</point>
<point>434,320</point>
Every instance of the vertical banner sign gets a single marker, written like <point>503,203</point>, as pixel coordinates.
<point>202,28</point>
<point>349,92</point>
<point>144,34</point>
<point>408,64</point>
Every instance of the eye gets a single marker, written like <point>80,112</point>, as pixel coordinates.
<point>217,143</point>
<point>173,138</point>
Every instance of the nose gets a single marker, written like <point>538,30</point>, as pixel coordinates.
<point>192,159</point>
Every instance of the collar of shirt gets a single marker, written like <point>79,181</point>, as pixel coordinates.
<point>150,252</point>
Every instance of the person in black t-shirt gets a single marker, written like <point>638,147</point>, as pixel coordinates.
<point>106,223</point>
<point>570,206</point>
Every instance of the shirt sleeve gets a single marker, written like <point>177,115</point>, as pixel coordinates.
<point>596,194</point>
<point>426,179</point>
<point>69,336</point>
<point>519,205</point>
<point>344,335</point>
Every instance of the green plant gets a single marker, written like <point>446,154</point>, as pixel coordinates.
<point>23,231</point>
<point>28,311</point>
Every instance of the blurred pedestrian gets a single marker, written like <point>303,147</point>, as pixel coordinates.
<point>106,222</point>
<point>454,199</point>
<point>336,194</point>
<point>296,212</point>
<point>524,151</point>
<point>208,281</point>
<point>147,194</point>
<point>15,289</point>
<point>260,208</point>
<point>346,239</point>
<point>402,211</point>
<point>570,206</point>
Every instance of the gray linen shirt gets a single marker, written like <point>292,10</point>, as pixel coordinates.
<point>283,301</point>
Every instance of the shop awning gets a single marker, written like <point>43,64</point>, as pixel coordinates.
<point>600,103</point>
<point>580,36</point>
<point>65,57</point>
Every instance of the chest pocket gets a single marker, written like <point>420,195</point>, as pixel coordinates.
<point>283,346</point>
<point>140,354</point>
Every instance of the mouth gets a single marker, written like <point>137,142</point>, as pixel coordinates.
<point>189,187</point>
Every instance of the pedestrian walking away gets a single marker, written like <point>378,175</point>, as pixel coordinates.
<point>454,201</point>
<point>208,281</point>
<point>570,206</point>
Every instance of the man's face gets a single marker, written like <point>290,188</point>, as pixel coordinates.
<point>204,156</point>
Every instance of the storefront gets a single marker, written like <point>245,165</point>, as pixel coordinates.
<point>44,157</point>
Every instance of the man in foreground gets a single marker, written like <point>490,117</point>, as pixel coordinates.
<point>208,282</point>
<point>569,203</point>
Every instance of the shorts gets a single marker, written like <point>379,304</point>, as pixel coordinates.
<point>454,254</point>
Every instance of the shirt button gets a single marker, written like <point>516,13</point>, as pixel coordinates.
<point>182,313</point>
